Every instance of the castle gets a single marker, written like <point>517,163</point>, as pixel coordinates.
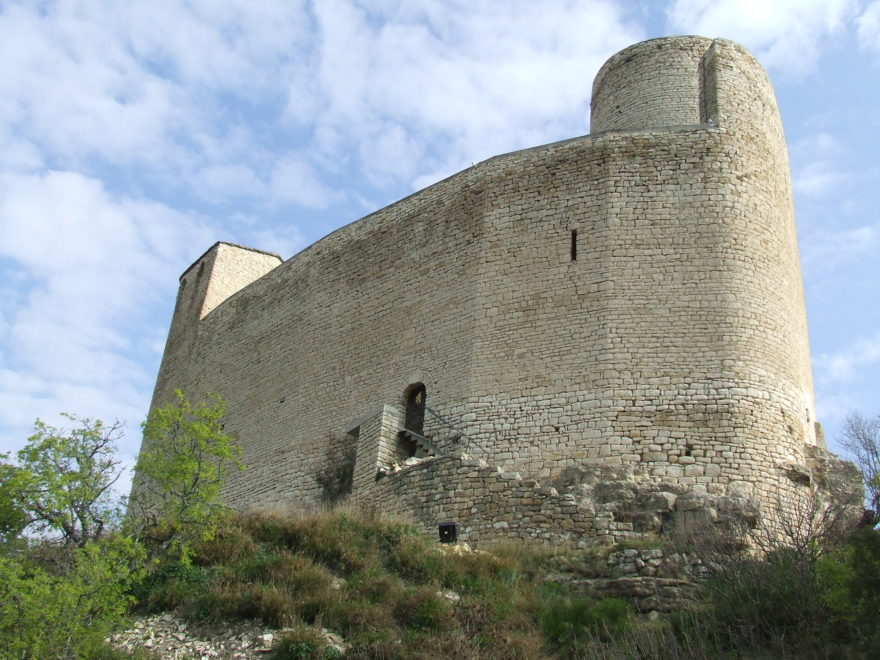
<point>600,337</point>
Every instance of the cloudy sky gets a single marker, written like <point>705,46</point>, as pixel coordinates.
<point>135,134</point>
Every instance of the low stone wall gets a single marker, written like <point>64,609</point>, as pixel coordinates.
<point>654,579</point>
<point>489,504</point>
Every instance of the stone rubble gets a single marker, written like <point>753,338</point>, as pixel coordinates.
<point>171,638</point>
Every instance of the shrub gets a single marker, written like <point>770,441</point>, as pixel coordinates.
<point>186,457</point>
<point>302,642</point>
<point>46,615</point>
<point>63,483</point>
<point>568,623</point>
<point>171,585</point>
<point>424,609</point>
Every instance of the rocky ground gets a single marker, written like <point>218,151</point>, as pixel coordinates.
<point>169,637</point>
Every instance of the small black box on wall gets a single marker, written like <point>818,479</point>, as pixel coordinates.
<point>448,532</point>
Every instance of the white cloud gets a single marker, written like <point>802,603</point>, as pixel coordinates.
<point>295,180</point>
<point>869,28</point>
<point>234,45</point>
<point>469,80</point>
<point>817,144</point>
<point>229,181</point>
<point>824,251</point>
<point>71,85</point>
<point>92,271</point>
<point>783,34</point>
<point>162,86</point>
<point>817,178</point>
<point>284,243</point>
<point>834,408</point>
<point>844,365</point>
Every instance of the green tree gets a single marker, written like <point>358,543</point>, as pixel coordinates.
<point>13,519</point>
<point>66,609</point>
<point>63,482</point>
<point>185,459</point>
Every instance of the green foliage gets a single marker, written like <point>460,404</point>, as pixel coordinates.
<point>62,482</point>
<point>13,519</point>
<point>424,609</point>
<point>570,622</point>
<point>379,584</point>
<point>186,458</point>
<point>388,591</point>
<point>806,605</point>
<point>850,585</point>
<point>52,611</point>
<point>302,642</point>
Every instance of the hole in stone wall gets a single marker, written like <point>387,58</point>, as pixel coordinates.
<point>574,244</point>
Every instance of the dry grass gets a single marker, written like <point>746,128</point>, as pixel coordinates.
<point>392,593</point>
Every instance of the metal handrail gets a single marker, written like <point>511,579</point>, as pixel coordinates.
<point>452,426</point>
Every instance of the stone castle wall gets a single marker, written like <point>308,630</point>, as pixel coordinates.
<point>630,299</point>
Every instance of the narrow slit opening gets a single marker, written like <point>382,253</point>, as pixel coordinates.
<point>574,244</point>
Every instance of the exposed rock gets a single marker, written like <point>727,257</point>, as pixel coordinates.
<point>170,637</point>
<point>842,479</point>
<point>649,594</point>
<point>449,595</point>
<point>167,636</point>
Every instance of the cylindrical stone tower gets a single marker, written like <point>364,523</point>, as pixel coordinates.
<point>735,345</point>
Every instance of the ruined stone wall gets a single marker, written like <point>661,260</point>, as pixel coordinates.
<point>630,299</point>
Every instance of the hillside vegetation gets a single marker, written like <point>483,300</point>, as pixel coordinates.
<point>348,583</point>
<point>389,592</point>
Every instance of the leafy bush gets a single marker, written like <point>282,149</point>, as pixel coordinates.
<point>424,609</point>
<point>185,459</point>
<point>65,614</point>
<point>302,642</point>
<point>376,582</point>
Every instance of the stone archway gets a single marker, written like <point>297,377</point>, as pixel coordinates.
<point>415,408</point>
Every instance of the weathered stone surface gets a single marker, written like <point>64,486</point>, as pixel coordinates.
<point>653,580</point>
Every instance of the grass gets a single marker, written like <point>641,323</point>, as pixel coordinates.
<point>381,585</point>
<point>389,592</point>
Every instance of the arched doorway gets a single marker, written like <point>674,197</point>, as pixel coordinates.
<point>415,408</point>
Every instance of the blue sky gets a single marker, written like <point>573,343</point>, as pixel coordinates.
<point>135,134</point>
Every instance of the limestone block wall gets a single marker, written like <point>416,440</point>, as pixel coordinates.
<point>651,84</point>
<point>345,326</point>
<point>221,271</point>
<point>628,300</point>
<point>676,340</point>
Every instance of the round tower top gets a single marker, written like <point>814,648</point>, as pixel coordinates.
<point>663,82</point>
